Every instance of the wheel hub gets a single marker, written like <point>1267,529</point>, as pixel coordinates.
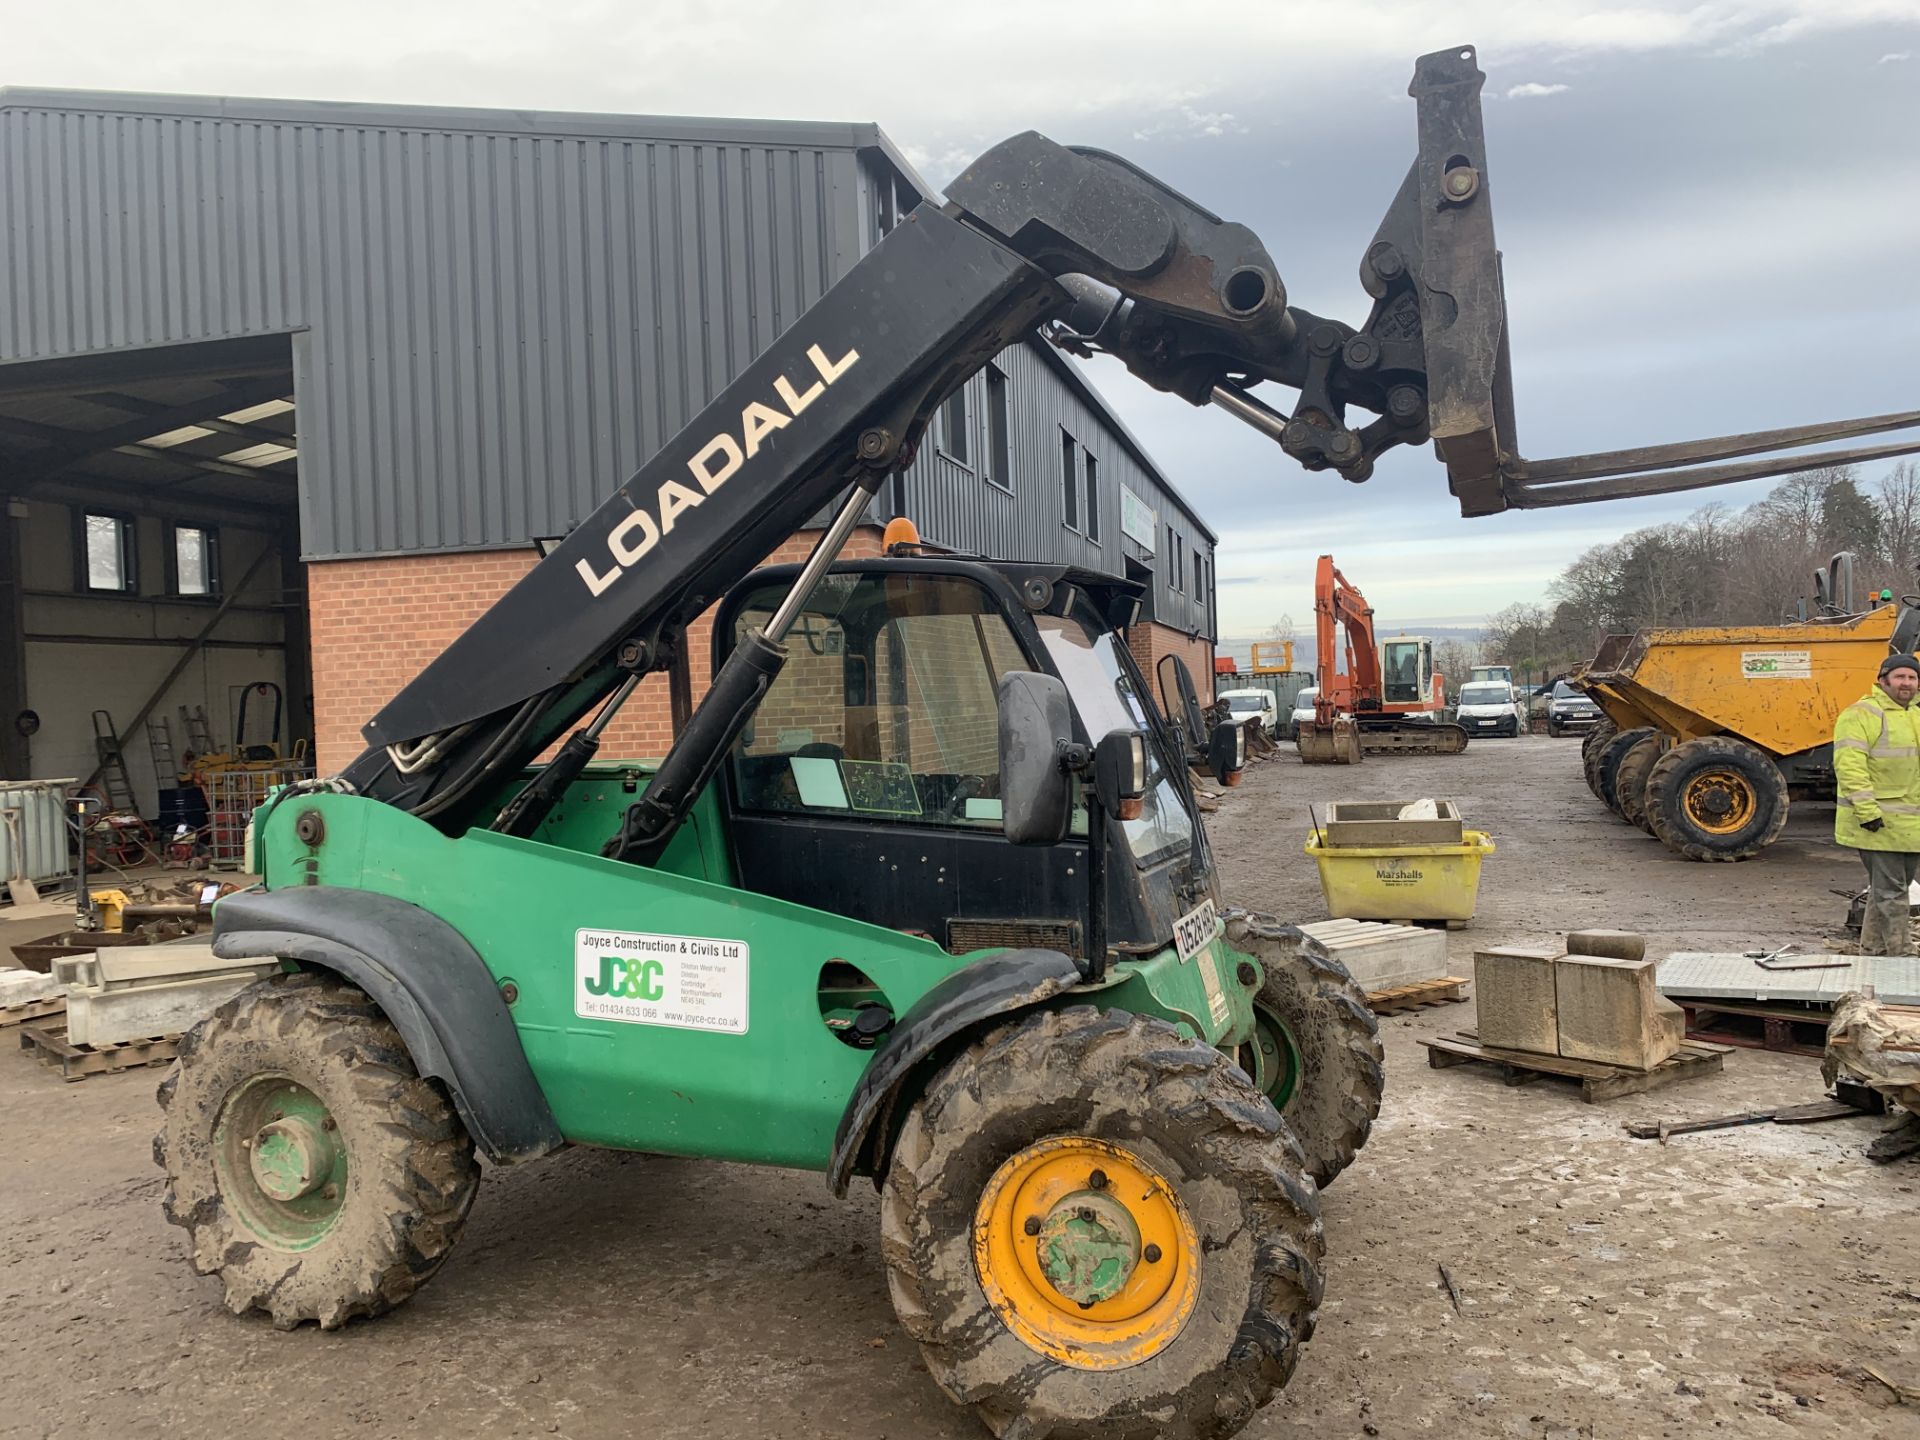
<point>1088,1246</point>
<point>1086,1253</point>
<point>291,1157</point>
<point>280,1161</point>
<point>1720,801</point>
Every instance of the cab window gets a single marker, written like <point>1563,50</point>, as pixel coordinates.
<point>887,709</point>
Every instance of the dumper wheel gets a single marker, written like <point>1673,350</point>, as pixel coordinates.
<point>1590,750</point>
<point>1717,798</point>
<point>1608,766</point>
<point>314,1170</point>
<point>1316,1049</point>
<point>1630,778</point>
<point>1099,1230</point>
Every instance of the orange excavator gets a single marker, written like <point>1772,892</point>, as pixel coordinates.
<point>1388,700</point>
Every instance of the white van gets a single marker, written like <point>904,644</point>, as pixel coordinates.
<point>1249,704</point>
<point>1489,707</point>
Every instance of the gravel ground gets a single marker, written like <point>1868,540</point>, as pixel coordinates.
<point>1729,1283</point>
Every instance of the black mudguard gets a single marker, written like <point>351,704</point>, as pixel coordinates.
<point>998,985</point>
<point>432,985</point>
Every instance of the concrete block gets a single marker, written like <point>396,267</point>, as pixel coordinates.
<point>23,987</point>
<point>1614,944</point>
<point>1611,1012</point>
<point>1516,999</point>
<point>1381,956</point>
<point>141,1012</point>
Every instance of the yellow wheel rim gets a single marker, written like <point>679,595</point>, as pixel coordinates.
<point>1721,802</point>
<point>1086,1253</point>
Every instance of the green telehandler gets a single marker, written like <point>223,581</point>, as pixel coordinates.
<point>920,892</point>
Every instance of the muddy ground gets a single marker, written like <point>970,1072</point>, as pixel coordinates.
<point>1728,1284</point>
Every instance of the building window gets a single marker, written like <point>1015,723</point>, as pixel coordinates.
<point>196,561</point>
<point>953,427</point>
<point>107,553</point>
<point>1093,497</point>
<point>1070,480</point>
<point>999,430</point>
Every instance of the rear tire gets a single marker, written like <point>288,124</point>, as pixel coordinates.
<point>1331,1102</point>
<point>1200,1158</point>
<point>1718,798</point>
<point>301,1081</point>
<point>1630,779</point>
<point>1590,748</point>
<point>1607,768</point>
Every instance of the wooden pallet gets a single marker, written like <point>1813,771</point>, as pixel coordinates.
<point>1597,1081</point>
<point>1781,1028</point>
<point>49,1045</point>
<point>12,1015</point>
<point>1418,996</point>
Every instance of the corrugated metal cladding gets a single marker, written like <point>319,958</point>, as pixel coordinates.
<point>1024,515</point>
<point>497,317</point>
<point>502,316</point>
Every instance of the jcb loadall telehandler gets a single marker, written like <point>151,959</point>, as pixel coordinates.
<point>919,892</point>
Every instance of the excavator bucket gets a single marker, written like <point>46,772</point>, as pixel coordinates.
<point>1335,744</point>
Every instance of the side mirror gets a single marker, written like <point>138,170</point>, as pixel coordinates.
<point>1036,793</point>
<point>1227,752</point>
<point>1179,699</point>
<point>1120,772</point>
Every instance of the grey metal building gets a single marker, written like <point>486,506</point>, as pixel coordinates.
<point>236,335</point>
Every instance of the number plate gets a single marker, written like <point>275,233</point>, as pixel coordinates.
<point>1194,931</point>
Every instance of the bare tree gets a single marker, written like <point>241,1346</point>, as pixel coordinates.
<point>1899,506</point>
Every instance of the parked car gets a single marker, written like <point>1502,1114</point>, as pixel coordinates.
<point>1302,709</point>
<point>1245,703</point>
<point>1489,707</point>
<point>1568,710</point>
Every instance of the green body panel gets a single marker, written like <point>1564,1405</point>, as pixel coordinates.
<point>773,1093</point>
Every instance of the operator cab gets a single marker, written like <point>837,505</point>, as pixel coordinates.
<point>868,779</point>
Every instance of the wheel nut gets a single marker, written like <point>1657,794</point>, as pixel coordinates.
<point>332,1192</point>
<point>329,1123</point>
<point>1151,1254</point>
<point>1098,1180</point>
<point>1086,1304</point>
<point>1032,1227</point>
<point>1249,976</point>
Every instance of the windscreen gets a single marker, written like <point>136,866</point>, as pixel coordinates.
<point>1104,695</point>
<point>1246,704</point>
<point>1485,695</point>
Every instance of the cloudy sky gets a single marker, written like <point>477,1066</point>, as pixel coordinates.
<point>1710,211</point>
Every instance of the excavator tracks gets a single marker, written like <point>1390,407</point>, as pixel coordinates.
<point>1411,737</point>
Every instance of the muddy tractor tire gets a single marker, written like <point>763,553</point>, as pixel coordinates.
<point>1097,1229</point>
<point>1317,1044</point>
<point>1608,765</point>
<point>1630,778</point>
<point>1716,798</point>
<point>314,1170</point>
<point>1590,748</point>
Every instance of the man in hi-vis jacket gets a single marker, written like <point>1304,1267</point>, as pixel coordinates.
<point>1876,767</point>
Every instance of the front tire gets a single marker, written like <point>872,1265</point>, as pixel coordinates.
<point>1716,798</point>
<point>1098,1230</point>
<point>314,1170</point>
<point>1318,1041</point>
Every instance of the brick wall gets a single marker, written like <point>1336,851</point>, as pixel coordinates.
<point>1149,641</point>
<point>377,623</point>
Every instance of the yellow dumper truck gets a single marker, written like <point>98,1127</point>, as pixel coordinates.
<point>1709,730</point>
